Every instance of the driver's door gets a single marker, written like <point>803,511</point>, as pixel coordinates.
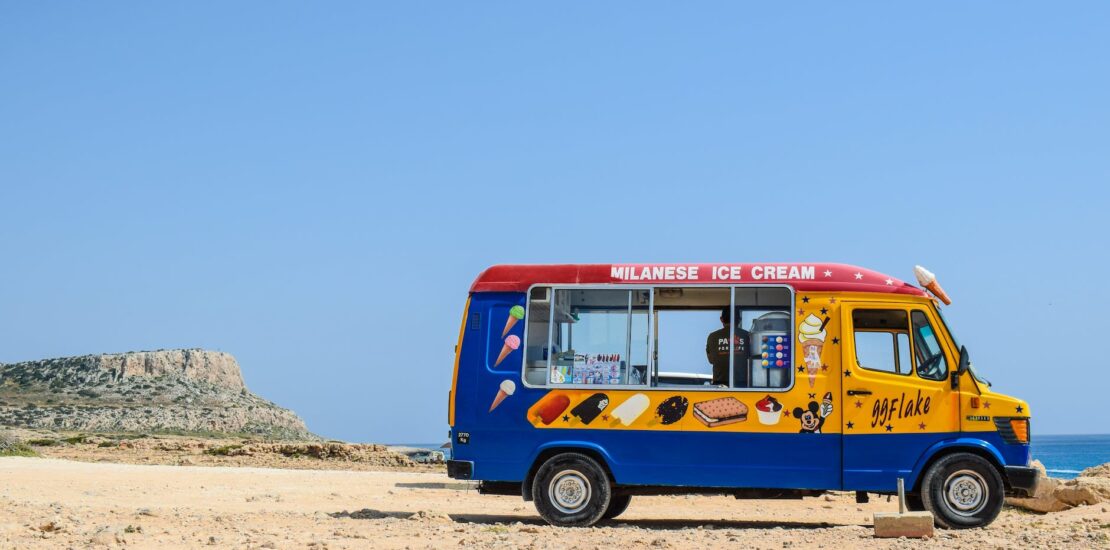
<point>897,398</point>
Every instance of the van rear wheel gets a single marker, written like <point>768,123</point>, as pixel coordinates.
<point>571,490</point>
<point>617,505</point>
<point>963,490</point>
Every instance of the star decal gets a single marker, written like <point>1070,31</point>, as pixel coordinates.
<point>805,299</point>
<point>859,275</point>
<point>850,425</point>
<point>801,311</point>
<point>832,300</point>
<point>889,428</point>
<point>986,404</point>
<point>566,418</point>
<point>921,425</point>
<point>824,310</point>
<point>859,404</point>
<point>828,273</point>
<point>836,341</point>
<point>847,372</point>
<point>605,417</point>
<point>801,368</point>
<point>1020,409</point>
<point>824,368</point>
<point>813,396</point>
<point>890,282</point>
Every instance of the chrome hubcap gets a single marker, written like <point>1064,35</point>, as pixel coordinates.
<point>966,492</point>
<point>570,491</point>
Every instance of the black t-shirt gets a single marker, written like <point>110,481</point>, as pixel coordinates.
<point>716,351</point>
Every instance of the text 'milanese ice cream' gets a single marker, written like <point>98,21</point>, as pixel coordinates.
<point>516,313</point>
<point>511,344</point>
<point>631,409</point>
<point>506,389</point>
<point>926,279</point>
<point>811,333</point>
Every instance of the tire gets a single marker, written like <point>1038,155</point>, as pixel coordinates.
<point>571,490</point>
<point>962,491</point>
<point>617,505</point>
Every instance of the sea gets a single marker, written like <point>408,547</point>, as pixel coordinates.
<point>1064,456</point>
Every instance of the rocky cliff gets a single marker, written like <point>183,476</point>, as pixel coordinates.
<point>189,390</point>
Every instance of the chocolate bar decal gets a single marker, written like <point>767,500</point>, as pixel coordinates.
<point>672,409</point>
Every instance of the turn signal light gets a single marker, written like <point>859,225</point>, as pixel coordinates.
<point>1021,429</point>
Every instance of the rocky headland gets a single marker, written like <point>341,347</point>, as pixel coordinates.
<point>190,391</point>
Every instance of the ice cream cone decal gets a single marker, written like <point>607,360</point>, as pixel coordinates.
<point>811,333</point>
<point>515,314</point>
<point>507,388</point>
<point>511,344</point>
<point>926,279</point>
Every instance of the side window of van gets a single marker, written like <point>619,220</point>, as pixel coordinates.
<point>882,340</point>
<point>597,337</point>
<point>931,363</point>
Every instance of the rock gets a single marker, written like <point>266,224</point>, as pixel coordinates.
<point>188,390</point>
<point>909,524</point>
<point>1054,495</point>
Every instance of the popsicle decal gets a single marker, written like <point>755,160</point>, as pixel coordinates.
<point>588,410</point>
<point>626,413</point>
<point>672,409</point>
<point>516,313</point>
<point>551,409</point>
<point>507,388</point>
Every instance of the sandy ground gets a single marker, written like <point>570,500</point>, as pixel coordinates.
<point>52,503</point>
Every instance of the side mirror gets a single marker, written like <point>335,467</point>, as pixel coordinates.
<point>965,360</point>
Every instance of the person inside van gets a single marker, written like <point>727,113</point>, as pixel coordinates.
<point>717,351</point>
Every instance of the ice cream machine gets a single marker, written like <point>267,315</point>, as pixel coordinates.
<point>771,350</point>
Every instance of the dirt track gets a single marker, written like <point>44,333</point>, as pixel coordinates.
<point>57,503</point>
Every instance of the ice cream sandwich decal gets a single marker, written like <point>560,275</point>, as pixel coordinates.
<point>720,412</point>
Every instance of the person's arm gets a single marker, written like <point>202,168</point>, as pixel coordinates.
<point>710,347</point>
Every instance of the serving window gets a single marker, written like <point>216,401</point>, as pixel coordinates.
<point>697,336</point>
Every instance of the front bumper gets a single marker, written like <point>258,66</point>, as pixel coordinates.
<point>1022,480</point>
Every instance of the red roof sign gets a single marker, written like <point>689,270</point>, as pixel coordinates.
<point>801,276</point>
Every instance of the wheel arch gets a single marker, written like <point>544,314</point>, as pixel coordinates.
<point>960,445</point>
<point>550,449</point>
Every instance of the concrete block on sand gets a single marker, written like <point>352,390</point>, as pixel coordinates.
<point>909,524</point>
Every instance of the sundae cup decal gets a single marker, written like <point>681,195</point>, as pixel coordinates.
<point>672,409</point>
<point>516,313</point>
<point>507,388</point>
<point>511,344</point>
<point>811,333</point>
<point>588,410</point>
<point>769,411</point>
<point>550,410</point>
<point>926,279</point>
<point>630,410</point>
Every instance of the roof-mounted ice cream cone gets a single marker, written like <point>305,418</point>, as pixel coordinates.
<point>926,279</point>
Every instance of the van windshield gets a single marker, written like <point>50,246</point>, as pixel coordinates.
<point>952,335</point>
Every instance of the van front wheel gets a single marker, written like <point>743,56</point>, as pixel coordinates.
<point>963,490</point>
<point>571,490</point>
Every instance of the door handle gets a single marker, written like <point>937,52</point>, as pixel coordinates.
<point>859,392</point>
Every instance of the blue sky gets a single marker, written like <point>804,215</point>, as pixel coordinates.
<point>314,190</point>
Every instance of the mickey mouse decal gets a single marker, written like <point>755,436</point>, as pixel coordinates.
<point>813,416</point>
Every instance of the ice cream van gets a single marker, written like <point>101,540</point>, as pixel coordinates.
<point>580,386</point>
